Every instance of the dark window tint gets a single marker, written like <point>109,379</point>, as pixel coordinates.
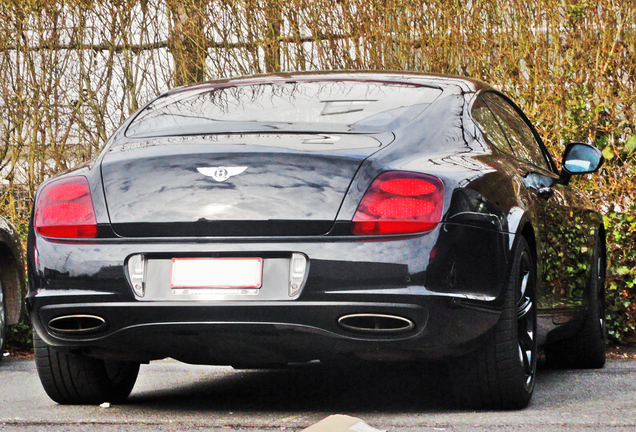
<point>521,138</point>
<point>489,127</point>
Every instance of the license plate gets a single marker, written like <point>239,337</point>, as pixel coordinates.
<point>216,273</point>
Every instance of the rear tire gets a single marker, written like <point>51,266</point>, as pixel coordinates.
<point>501,373</point>
<point>3,322</point>
<point>70,378</point>
<point>586,349</point>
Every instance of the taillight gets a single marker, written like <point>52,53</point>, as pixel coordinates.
<point>64,209</point>
<point>399,202</point>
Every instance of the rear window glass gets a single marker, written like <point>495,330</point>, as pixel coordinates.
<point>326,106</point>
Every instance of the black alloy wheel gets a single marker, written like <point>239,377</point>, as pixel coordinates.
<point>527,319</point>
<point>600,297</point>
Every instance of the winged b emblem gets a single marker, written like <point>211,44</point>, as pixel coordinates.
<point>221,173</point>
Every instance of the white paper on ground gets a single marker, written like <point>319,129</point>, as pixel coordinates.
<point>341,423</point>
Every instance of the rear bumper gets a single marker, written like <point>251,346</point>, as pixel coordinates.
<point>269,333</point>
<point>448,283</point>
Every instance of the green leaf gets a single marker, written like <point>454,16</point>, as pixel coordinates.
<point>622,271</point>
<point>630,145</point>
<point>608,153</point>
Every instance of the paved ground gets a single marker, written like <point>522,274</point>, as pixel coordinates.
<point>174,396</point>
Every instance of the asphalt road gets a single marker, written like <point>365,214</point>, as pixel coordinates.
<point>174,396</point>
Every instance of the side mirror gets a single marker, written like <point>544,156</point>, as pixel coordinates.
<point>580,158</point>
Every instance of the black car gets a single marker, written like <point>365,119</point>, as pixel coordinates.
<point>12,282</point>
<point>263,221</point>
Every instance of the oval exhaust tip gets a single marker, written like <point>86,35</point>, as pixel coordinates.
<point>370,323</point>
<point>77,324</point>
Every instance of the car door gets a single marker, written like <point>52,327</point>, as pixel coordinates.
<point>562,225</point>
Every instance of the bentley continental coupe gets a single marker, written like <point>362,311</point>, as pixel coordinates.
<point>263,221</point>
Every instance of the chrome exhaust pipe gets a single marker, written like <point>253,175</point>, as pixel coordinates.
<point>77,324</point>
<point>370,323</point>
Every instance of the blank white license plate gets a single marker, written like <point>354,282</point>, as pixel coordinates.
<point>216,273</point>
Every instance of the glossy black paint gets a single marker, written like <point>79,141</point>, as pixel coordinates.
<point>285,191</point>
<point>299,195</point>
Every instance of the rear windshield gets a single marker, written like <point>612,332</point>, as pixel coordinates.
<point>325,106</point>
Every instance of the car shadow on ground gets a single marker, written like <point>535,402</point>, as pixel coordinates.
<point>361,388</point>
<point>365,388</point>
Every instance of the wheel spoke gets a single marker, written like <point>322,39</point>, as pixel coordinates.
<point>526,339</point>
<point>525,275</point>
<point>525,306</point>
<point>525,356</point>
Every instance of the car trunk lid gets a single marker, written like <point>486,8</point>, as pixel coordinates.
<point>235,185</point>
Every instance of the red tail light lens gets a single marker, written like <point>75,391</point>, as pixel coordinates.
<point>64,209</point>
<point>399,202</point>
